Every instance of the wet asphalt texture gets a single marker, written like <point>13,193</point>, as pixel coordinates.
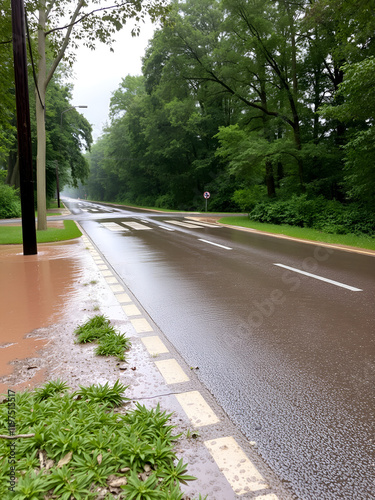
<point>289,357</point>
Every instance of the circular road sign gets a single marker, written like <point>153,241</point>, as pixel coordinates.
<point>206,194</point>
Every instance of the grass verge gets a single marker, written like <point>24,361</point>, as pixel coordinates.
<point>303,233</point>
<point>12,235</point>
<point>80,445</point>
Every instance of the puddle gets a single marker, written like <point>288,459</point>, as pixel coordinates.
<point>34,291</point>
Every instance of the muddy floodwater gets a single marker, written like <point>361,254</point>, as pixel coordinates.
<point>35,291</point>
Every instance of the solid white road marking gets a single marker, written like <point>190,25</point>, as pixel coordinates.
<point>154,345</point>
<point>113,226</point>
<point>236,467</point>
<point>196,408</point>
<point>167,228</point>
<point>321,278</point>
<point>171,371</point>
<point>205,224</point>
<point>216,244</point>
<point>183,224</point>
<point>136,225</point>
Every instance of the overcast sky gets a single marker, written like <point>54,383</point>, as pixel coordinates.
<point>98,73</point>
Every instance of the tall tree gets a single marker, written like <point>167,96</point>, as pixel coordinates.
<point>60,27</point>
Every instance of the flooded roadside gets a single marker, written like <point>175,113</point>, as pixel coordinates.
<point>35,292</point>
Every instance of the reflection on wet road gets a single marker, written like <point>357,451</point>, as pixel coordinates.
<point>289,356</point>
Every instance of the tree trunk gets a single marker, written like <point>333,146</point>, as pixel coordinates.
<point>40,122</point>
<point>13,172</point>
<point>270,180</point>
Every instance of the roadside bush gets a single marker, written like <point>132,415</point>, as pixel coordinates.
<point>247,199</point>
<point>329,216</point>
<point>10,204</point>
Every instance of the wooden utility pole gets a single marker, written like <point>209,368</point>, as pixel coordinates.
<point>23,128</point>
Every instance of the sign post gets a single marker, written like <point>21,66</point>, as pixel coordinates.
<point>206,195</point>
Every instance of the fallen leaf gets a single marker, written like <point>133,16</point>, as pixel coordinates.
<point>99,458</point>
<point>65,460</point>
<point>116,483</point>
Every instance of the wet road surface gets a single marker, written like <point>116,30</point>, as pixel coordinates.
<point>282,333</point>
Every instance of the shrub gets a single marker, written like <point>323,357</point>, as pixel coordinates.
<point>329,216</point>
<point>10,204</point>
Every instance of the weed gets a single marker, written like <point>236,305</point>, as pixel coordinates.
<point>113,344</point>
<point>93,329</point>
<point>111,396</point>
<point>86,442</point>
<point>176,474</point>
<point>192,434</point>
<point>49,389</point>
<point>93,282</point>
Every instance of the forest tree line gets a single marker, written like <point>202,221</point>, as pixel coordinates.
<point>269,105</point>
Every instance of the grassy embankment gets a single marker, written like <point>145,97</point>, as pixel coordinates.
<point>11,235</point>
<point>303,233</point>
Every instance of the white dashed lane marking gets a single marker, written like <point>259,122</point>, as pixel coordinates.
<point>240,472</point>
<point>215,244</point>
<point>141,325</point>
<point>123,298</point>
<point>131,310</point>
<point>113,226</point>
<point>183,224</point>
<point>171,371</point>
<point>204,224</point>
<point>196,408</point>
<point>136,225</point>
<point>111,280</point>
<point>154,345</point>
<point>321,278</point>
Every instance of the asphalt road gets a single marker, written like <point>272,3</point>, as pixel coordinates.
<point>282,333</point>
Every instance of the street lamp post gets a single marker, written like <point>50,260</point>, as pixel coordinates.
<point>57,164</point>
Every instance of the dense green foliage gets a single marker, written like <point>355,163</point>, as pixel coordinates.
<point>10,204</point>
<point>259,102</point>
<point>80,446</point>
<point>67,135</point>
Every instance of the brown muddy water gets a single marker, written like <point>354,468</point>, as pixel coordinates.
<point>34,292</point>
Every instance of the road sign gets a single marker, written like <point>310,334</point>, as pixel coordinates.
<point>206,195</point>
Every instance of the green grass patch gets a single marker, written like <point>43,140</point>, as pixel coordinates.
<point>110,342</point>
<point>80,443</point>
<point>303,233</point>
<point>12,235</point>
